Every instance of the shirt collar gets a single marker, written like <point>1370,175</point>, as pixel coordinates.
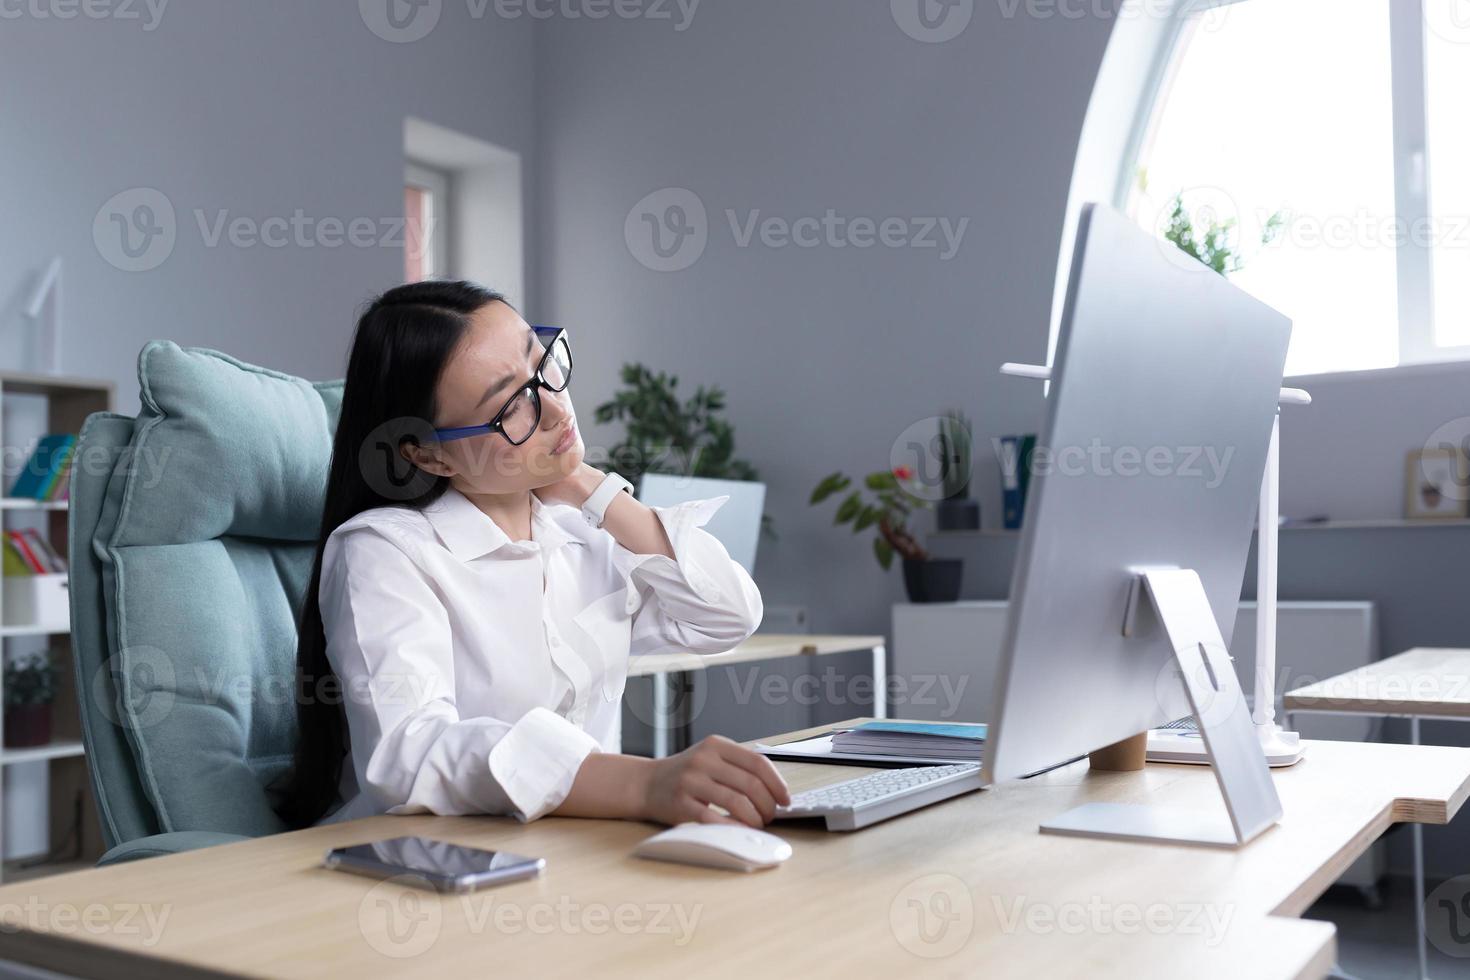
<point>469,533</point>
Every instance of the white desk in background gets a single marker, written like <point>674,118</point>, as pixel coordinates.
<point>674,673</point>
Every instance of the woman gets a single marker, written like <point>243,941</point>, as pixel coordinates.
<point>478,589</point>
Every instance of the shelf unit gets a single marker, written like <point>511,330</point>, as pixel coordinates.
<point>72,810</point>
<point>1357,524</point>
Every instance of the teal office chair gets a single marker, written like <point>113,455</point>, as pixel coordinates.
<point>191,532</point>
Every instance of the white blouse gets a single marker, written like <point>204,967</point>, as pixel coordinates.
<point>477,672</point>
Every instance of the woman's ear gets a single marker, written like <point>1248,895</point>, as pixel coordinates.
<point>424,458</point>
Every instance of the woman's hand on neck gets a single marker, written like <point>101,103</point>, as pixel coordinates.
<point>572,489</point>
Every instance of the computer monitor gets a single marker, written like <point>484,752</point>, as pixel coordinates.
<point>737,524</point>
<point>1146,478</point>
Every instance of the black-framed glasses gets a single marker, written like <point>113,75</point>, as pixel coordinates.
<point>519,417</point>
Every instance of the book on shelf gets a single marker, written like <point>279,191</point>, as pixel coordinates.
<point>46,473</point>
<point>15,563</point>
<point>27,553</point>
<point>1016,454</point>
<point>33,565</point>
<point>48,555</point>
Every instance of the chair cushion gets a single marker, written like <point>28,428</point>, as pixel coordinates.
<point>209,538</point>
<point>124,809</point>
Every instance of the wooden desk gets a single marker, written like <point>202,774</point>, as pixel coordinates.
<point>964,888</point>
<point>1420,683</point>
<point>673,675</point>
<point>1424,682</point>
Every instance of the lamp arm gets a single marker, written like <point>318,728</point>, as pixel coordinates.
<point>1269,513</point>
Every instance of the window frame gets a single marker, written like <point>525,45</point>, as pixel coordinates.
<point>436,183</point>
<point>1413,256</point>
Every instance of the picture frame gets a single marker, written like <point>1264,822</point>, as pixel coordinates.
<point>1436,486</point>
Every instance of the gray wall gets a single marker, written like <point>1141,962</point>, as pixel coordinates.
<point>259,108</point>
<point>1343,455</point>
<point>828,354</point>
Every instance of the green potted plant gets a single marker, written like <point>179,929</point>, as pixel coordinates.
<point>956,512</point>
<point>666,435</point>
<point>30,688</point>
<point>885,502</point>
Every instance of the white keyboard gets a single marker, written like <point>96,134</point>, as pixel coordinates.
<point>866,800</point>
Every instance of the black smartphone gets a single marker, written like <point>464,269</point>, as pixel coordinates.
<point>434,864</point>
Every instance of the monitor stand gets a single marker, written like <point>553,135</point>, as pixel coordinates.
<point>1219,706</point>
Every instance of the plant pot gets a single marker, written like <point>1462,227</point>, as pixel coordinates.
<point>957,514</point>
<point>935,580</point>
<point>27,724</point>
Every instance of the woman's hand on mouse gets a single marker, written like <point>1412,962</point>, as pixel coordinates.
<point>718,772</point>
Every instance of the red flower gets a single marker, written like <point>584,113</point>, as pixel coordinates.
<point>903,473</point>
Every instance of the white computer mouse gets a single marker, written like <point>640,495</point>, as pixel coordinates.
<point>716,845</point>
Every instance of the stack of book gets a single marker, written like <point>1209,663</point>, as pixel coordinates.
<point>47,473</point>
<point>888,743</point>
<point>906,739</point>
<point>27,553</point>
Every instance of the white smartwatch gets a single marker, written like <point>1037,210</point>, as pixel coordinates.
<point>596,506</point>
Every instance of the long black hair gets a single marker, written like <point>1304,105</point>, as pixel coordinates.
<point>404,338</point>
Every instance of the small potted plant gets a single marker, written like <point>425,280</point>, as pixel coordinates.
<point>887,506</point>
<point>30,688</point>
<point>956,512</point>
<point>668,434</point>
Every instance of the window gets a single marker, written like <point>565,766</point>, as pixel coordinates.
<point>463,196</point>
<point>1447,77</point>
<point>1343,117</point>
<point>425,231</point>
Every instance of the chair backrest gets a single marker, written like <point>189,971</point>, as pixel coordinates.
<point>192,529</point>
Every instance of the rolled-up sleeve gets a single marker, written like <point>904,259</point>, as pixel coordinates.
<point>389,641</point>
<point>701,600</point>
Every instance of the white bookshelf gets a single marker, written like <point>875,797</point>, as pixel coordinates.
<point>25,630</point>
<point>21,503</point>
<point>68,401</point>
<point>64,748</point>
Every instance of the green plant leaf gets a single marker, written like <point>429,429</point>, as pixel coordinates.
<point>867,518</point>
<point>665,434</point>
<point>849,508</point>
<point>882,480</point>
<point>884,552</point>
<point>830,484</point>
